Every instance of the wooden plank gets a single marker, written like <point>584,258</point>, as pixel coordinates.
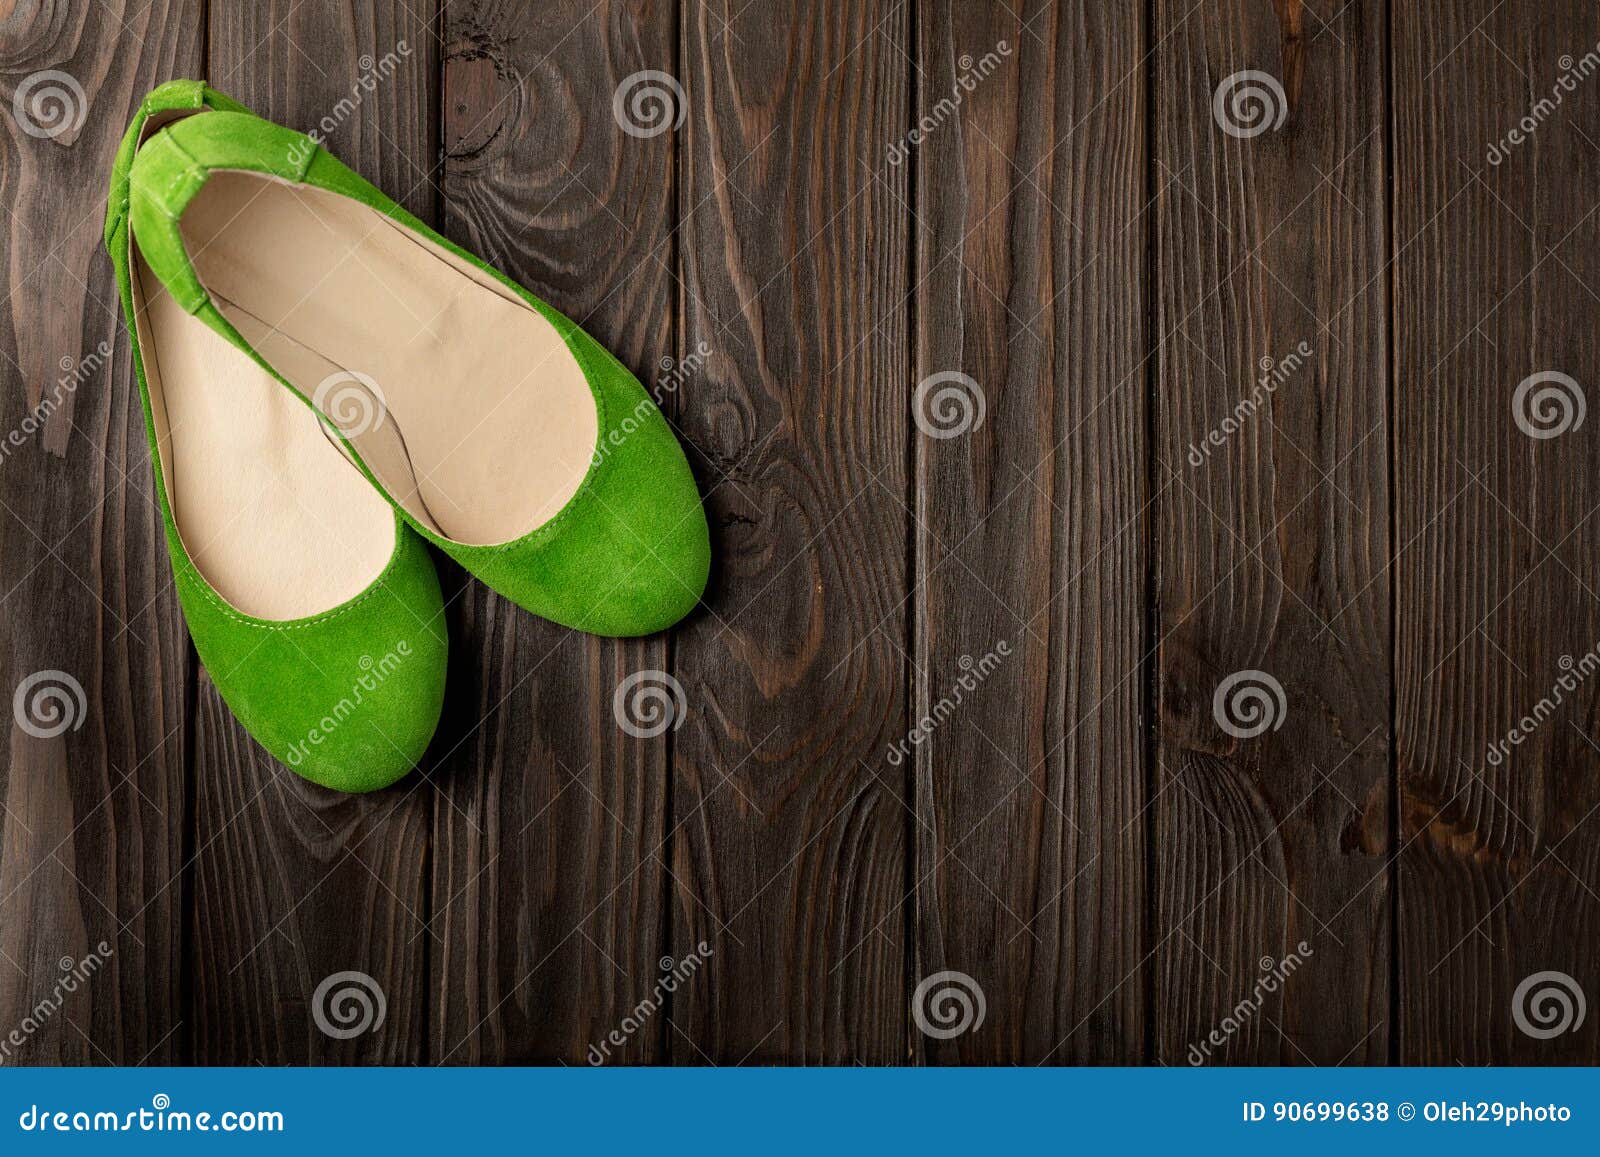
<point>1272,542</point>
<point>295,884</point>
<point>1032,529</point>
<point>1495,282</point>
<point>93,786</point>
<point>548,877</point>
<point>790,853</point>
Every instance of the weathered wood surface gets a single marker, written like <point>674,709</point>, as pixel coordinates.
<point>951,702</point>
<point>1272,545</point>
<point>791,833</point>
<point>1032,528</point>
<point>1495,568</point>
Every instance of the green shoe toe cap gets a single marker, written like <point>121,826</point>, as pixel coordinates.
<point>631,552</point>
<point>348,699</point>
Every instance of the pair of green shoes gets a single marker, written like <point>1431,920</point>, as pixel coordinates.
<point>328,385</point>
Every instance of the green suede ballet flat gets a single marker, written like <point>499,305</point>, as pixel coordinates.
<point>314,608</point>
<point>497,428</point>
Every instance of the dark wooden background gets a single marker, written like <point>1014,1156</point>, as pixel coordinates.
<point>1080,837</point>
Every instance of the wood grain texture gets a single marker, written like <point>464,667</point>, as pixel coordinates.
<point>294,883</point>
<point>790,852</point>
<point>550,822</point>
<point>1032,528</point>
<point>1495,280</point>
<point>92,837</point>
<point>1073,230</point>
<point>1272,543</point>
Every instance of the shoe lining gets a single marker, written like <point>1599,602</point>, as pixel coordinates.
<point>465,403</point>
<point>271,515</point>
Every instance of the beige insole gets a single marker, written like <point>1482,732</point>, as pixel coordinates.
<point>464,402</point>
<point>274,517</point>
